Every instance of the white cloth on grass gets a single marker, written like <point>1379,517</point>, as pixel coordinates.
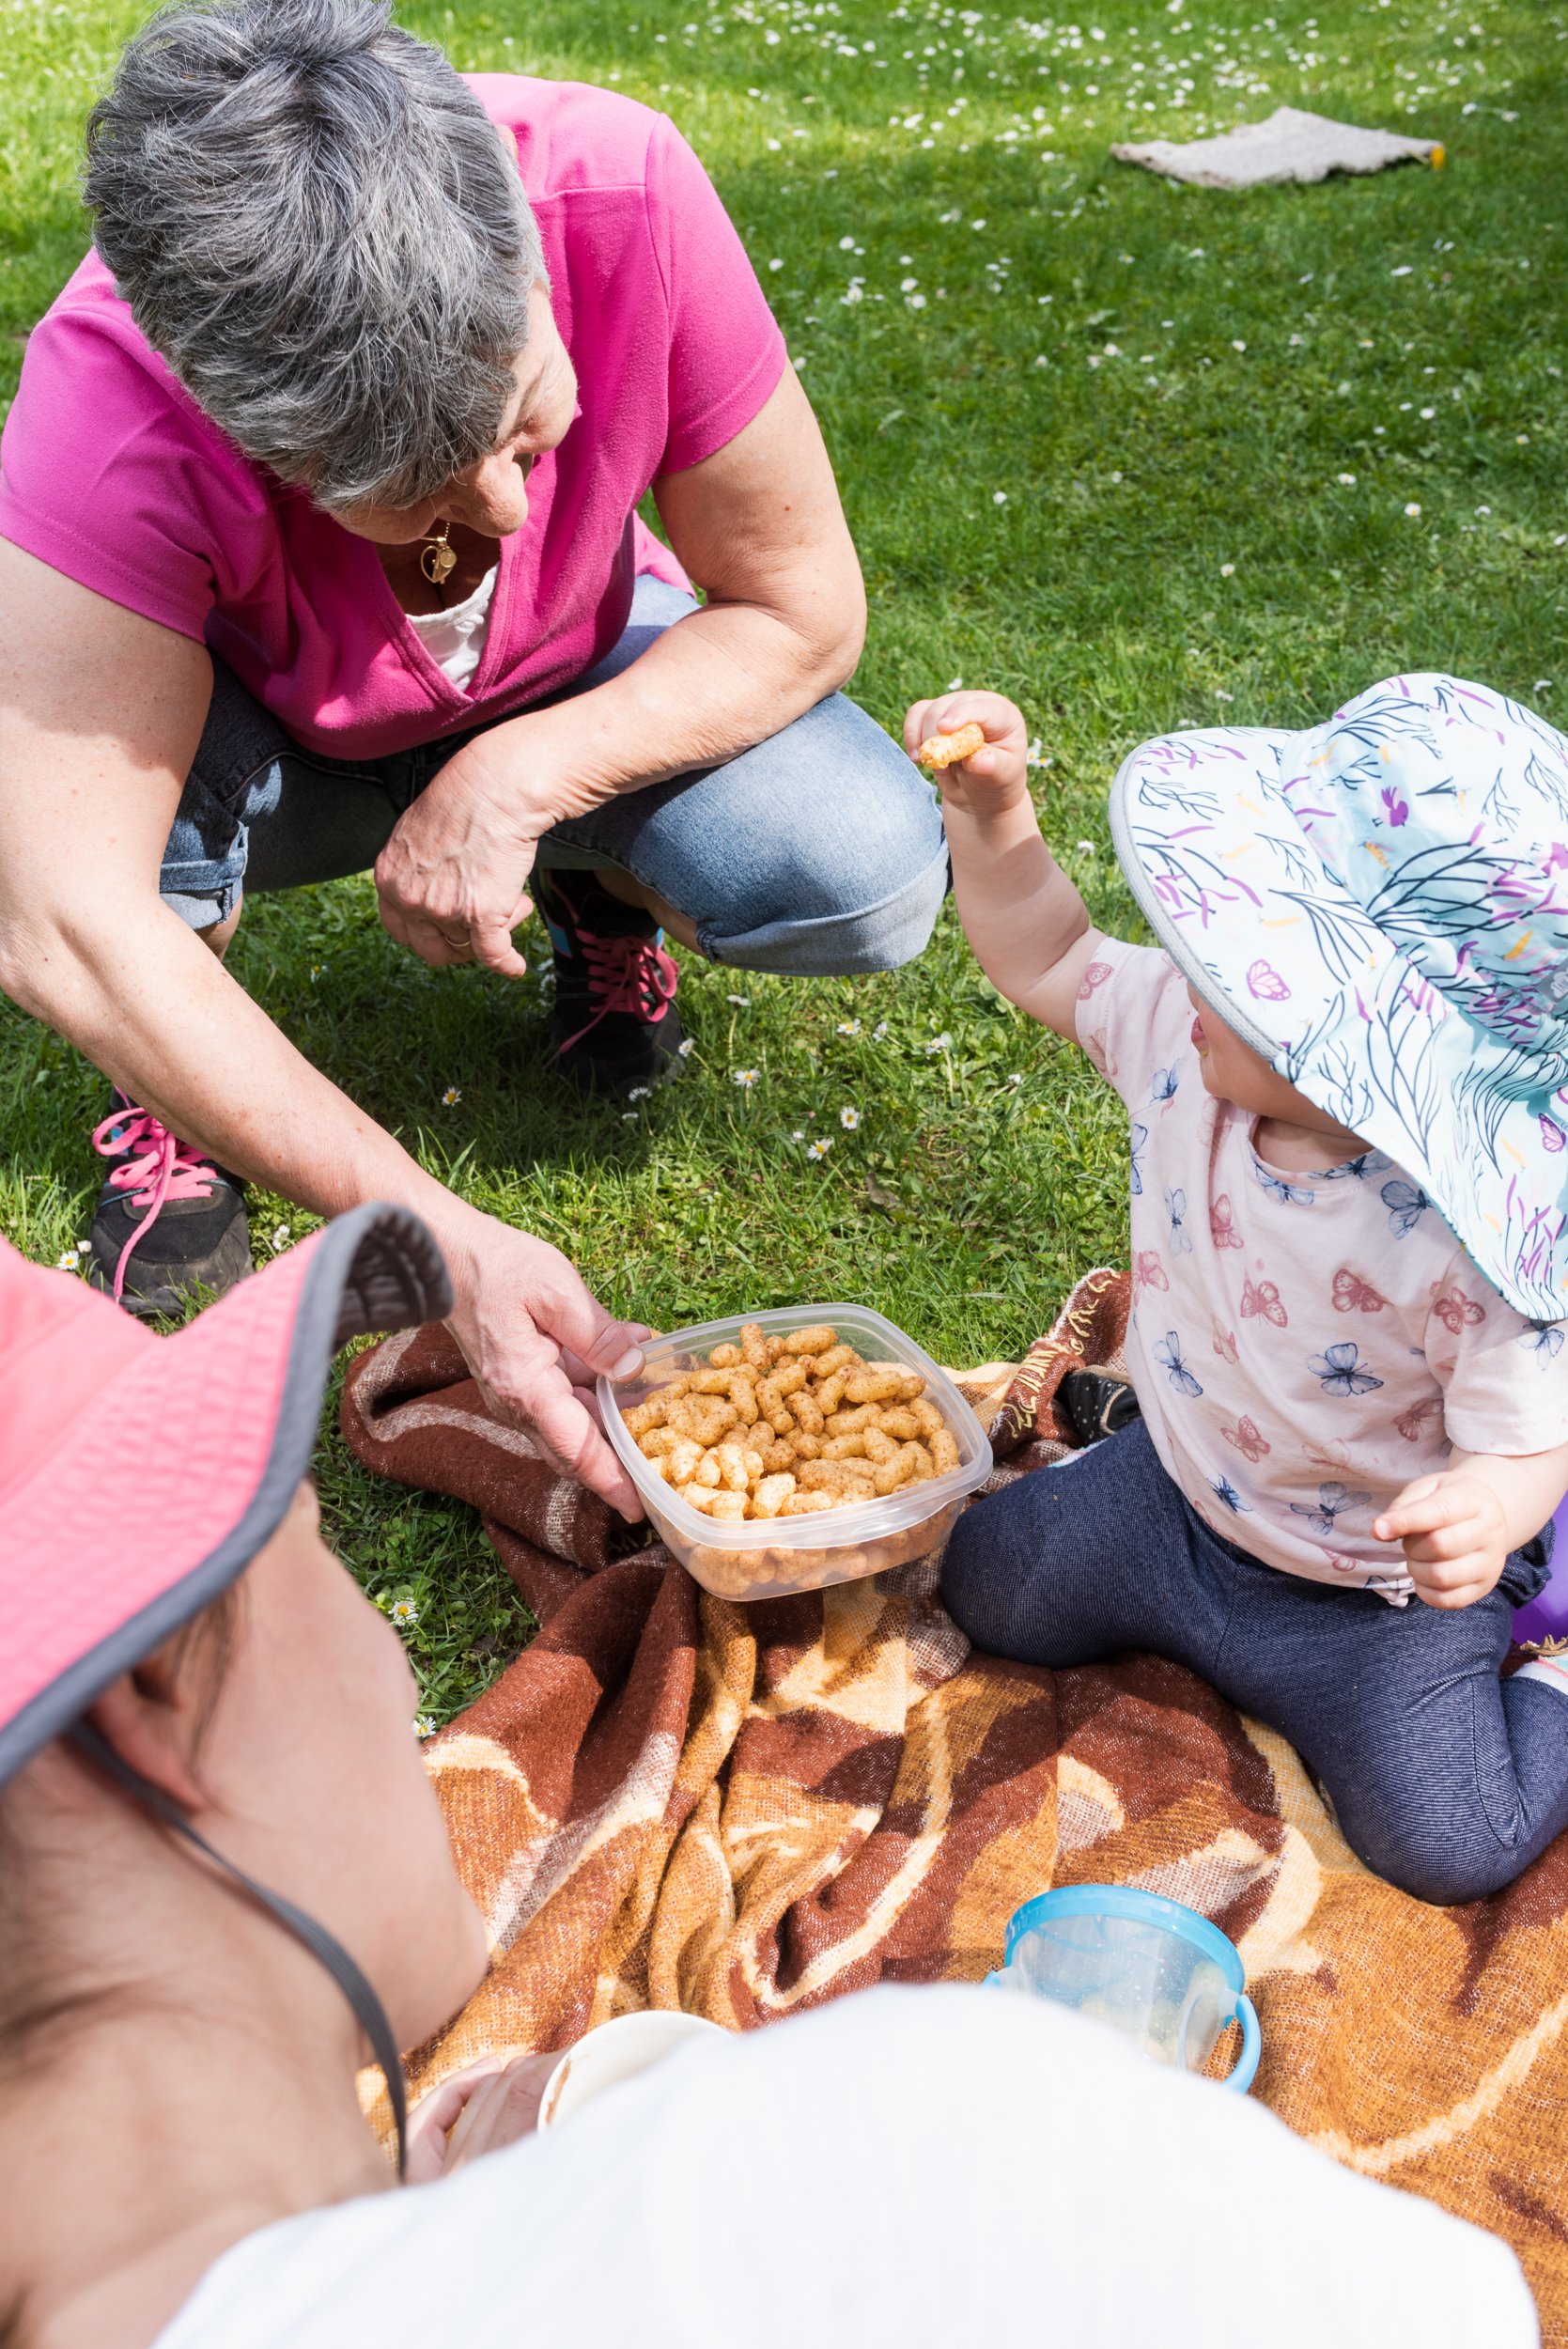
<point>905,2168</point>
<point>1291,145</point>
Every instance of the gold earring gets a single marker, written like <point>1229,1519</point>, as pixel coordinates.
<point>435,558</point>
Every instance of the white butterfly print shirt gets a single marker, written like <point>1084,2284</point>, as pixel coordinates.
<point>1302,1345</point>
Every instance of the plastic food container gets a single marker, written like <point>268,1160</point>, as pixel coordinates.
<point>1151,1968</point>
<point>772,1557</point>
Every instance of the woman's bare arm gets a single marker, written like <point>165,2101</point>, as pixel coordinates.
<point>100,713</point>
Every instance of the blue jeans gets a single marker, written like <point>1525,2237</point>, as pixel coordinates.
<point>1447,1780</point>
<point>819,852</point>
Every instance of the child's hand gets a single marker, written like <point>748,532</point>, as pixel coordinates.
<point>1455,1534</point>
<point>988,778</point>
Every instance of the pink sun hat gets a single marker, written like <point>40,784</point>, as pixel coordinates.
<point>140,1474</point>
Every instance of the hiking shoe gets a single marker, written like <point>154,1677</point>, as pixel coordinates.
<point>169,1221</point>
<point>616,1029</point>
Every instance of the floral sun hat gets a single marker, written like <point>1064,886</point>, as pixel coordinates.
<point>1379,905</point>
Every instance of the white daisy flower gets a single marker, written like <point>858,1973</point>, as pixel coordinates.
<point>280,1237</point>
<point>819,1149</point>
<point>1413,511</point>
<point>1227,570</point>
<point>942,1042</point>
<point>404,1613</point>
<point>746,1078</point>
<point>424,1726</point>
<point>1347,481</point>
<point>848,1027</point>
<point>848,1119</point>
<point>878,1032</point>
<point>69,1262</point>
<point>451,1098</point>
<point>744,1000</point>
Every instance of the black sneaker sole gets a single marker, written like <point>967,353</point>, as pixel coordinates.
<point>155,1291</point>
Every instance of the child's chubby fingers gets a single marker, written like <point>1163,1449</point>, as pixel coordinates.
<point>1453,1534</point>
<point>1453,1582</point>
<point>1440,1517</point>
<point>1000,758</point>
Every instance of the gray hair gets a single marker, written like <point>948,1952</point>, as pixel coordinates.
<point>314,222</point>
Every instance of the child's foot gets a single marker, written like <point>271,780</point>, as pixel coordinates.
<point>616,1029</point>
<point>169,1222</point>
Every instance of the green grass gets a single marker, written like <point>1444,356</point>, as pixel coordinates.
<point>1048,462</point>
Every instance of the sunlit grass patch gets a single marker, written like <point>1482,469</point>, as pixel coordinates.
<point>1139,455</point>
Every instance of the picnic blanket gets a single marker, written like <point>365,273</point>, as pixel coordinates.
<point>671,1800</point>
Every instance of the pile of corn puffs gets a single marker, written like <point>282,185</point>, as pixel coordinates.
<point>791,1426</point>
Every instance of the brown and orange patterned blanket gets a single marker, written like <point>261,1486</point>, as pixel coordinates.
<point>670,1800</point>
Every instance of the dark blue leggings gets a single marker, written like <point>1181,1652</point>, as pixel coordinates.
<point>1447,1780</point>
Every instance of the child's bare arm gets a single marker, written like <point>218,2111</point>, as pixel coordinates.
<point>1027,925</point>
<point>1458,1528</point>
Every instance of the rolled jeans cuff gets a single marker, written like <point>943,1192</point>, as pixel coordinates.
<point>880,936</point>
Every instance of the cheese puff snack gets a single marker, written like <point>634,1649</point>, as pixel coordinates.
<point>946,750</point>
<point>790,1426</point>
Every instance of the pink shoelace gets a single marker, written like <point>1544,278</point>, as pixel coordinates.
<point>630,974</point>
<point>159,1168</point>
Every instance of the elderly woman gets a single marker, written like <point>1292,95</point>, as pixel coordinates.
<point>225,1883</point>
<point>320,551</point>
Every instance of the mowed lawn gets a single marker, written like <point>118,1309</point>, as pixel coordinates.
<point>1140,456</point>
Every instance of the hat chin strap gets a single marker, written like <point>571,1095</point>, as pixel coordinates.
<point>367,2007</point>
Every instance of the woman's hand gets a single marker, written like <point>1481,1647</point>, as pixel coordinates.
<point>477,2111</point>
<point>534,1337</point>
<point>989,780</point>
<point>452,880</point>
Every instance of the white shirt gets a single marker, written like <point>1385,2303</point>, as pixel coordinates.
<point>1302,1345</point>
<point>455,639</point>
<point>946,2168</point>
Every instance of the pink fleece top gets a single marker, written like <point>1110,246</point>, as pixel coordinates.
<point>110,473</point>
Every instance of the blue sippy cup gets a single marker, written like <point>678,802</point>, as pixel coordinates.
<point>1157,1972</point>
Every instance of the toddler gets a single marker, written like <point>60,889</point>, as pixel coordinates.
<point>1346,1069</point>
